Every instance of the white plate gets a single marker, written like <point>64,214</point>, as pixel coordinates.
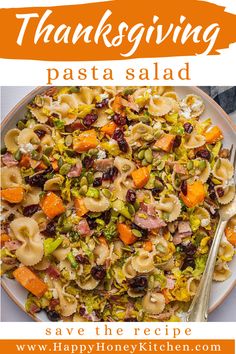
<point>219,290</point>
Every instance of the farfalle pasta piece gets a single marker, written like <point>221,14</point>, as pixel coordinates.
<point>43,264</point>
<point>28,136</point>
<point>71,272</point>
<point>61,253</point>
<point>97,205</point>
<point>88,283</point>
<point>32,196</point>
<point>47,141</point>
<point>221,271</point>
<point>11,140</point>
<point>134,294</point>
<point>101,253</point>
<point>170,206</point>
<point>203,215</point>
<point>53,184</point>
<point>68,302</point>
<point>121,186</point>
<point>192,285</point>
<point>153,303</point>
<point>11,177</point>
<point>124,166</point>
<point>43,111</point>
<point>41,219</point>
<point>142,262</point>
<point>113,90</point>
<point>203,173</point>
<point>194,140</point>
<point>223,170</point>
<point>228,196</point>
<point>159,106</point>
<point>193,105</point>
<point>102,118</point>
<point>128,270</point>
<point>139,131</point>
<point>26,231</point>
<point>226,251</point>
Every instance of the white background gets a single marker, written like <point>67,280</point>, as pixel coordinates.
<point>10,312</point>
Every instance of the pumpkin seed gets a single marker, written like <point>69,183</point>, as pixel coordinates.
<point>93,152</point>
<point>83,181</point>
<point>64,169</point>
<point>46,160</point>
<point>48,150</point>
<point>141,154</point>
<point>68,140</point>
<point>126,168</point>
<point>148,155</point>
<point>60,162</point>
<point>90,177</point>
<point>106,193</point>
<point>20,125</point>
<point>136,233</point>
<point>148,137</point>
<point>17,155</point>
<point>157,133</point>
<point>202,165</point>
<point>83,190</point>
<point>160,165</point>
<point>131,209</point>
<point>39,100</point>
<point>190,165</point>
<point>136,205</point>
<point>144,162</point>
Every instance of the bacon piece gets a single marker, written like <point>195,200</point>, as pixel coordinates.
<point>75,170</point>
<point>53,272</point>
<point>103,164</point>
<point>8,160</point>
<point>184,230</point>
<point>83,228</point>
<point>178,168</point>
<point>12,245</point>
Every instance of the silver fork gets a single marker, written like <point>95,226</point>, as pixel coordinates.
<point>198,310</point>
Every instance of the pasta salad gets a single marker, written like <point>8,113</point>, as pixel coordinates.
<point>110,199</point>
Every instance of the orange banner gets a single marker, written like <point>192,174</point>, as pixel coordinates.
<point>119,29</point>
<point>117,346</point>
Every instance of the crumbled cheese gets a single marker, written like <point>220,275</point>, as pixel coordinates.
<point>157,125</point>
<point>26,148</point>
<point>75,252</point>
<point>197,105</point>
<point>101,154</point>
<point>185,112</point>
<point>54,293</point>
<point>103,96</point>
<point>204,222</point>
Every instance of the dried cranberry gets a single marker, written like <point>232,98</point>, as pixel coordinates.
<point>131,196</point>
<point>123,145</point>
<point>144,232</point>
<point>88,162</point>
<point>177,141</point>
<point>188,128</point>
<point>189,249</point>
<point>188,262</point>
<point>41,133</point>
<point>82,259</point>
<point>82,311</point>
<point>130,319</point>
<point>92,223</point>
<point>119,119</point>
<point>103,103</point>
<point>36,180</point>
<point>11,217</point>
<point>98,272</point>
<point>138,283</point>
<point>29,210</point>
<point>184,187</point>
<point>53,303</point>
<point>118,134</point>
<point>76,125</point>
<point>89,119</point>
<point>220,192</point>
<point>97,181</point>
<point>50,229</point>
<point>204,154</point>
<point>53,316</point>
<point>209,242</point>
<point>110,174</point>
<point>212,195</point>
<point>106,216</point>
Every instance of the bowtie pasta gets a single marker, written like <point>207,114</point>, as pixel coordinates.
<point>110,199</point>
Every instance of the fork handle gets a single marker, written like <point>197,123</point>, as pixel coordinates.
<point>198,311</point>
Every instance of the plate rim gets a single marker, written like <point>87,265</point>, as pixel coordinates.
<point>39,88</point>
